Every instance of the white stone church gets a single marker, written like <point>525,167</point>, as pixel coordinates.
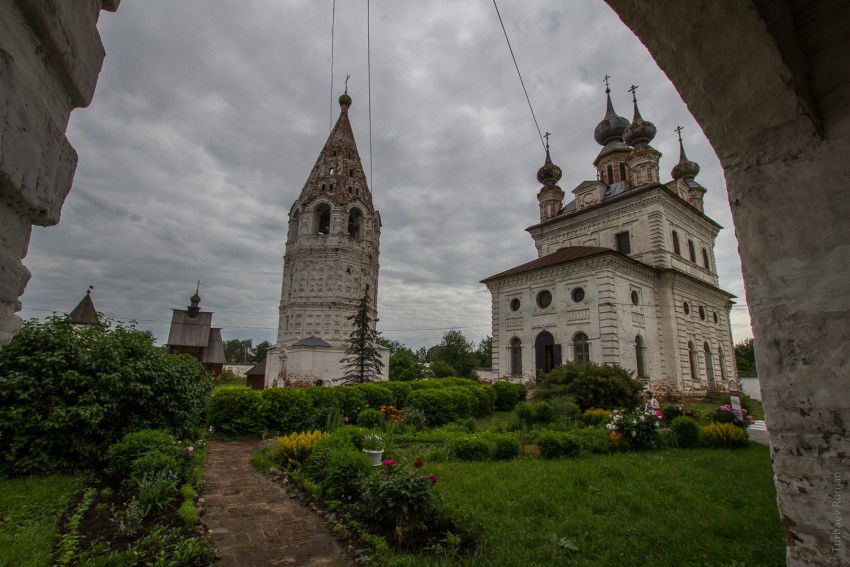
<point>331,256</point>
<point>625,274</point>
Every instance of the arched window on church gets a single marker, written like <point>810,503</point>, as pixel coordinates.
<point>622,171</point>
<point>355,220</point>
<point>581,348</point>
<point>640,356</point>
<point>692,360</point>
<point>705,261</point>
<point>677,250</point>
<point>709,366</point>
<point>692,251</point>
<point>516,356</point>
<point>722,356</point>
<point>610,174</point>
<point>322,219</point>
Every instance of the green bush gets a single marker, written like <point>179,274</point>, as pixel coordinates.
<point>68,392</point>
<point>400,392</point>
<point>565,407</point>
<point>724,436</point>
<point>161,462</point>
<point>594,385</point>
<point>438,408</point>
<point>555,445</point>
<point>485,401</point>
<point>671,412</point>
<point>505,447</point>
<point>441,369</point>
<point>508,395</point>
<point>537,413</point>
<point>593,440</point>
<point>464,403</point>
<point>122,454</point>
<point>344,470</point>
<point>350,400</point>
<point>684,432</point>
<point>376,394</point>
<point>469,448</point>
<point>236,410</point>
<point>286,410</point>
<point>370,418</point>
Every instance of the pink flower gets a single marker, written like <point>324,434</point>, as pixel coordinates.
<point>190,449</point>
<point>345,419</point>
<point>433,479</point>
<point>388,463</point>
<point>418,464</point>
<point>180,442</point>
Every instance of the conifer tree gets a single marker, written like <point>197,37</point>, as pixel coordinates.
<point>362,362</point>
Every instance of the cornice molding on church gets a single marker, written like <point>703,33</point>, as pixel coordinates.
<point>676,279</point>
<point>628,195</point>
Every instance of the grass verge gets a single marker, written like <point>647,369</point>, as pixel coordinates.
<point>661,508</point>
<point>29,510</point>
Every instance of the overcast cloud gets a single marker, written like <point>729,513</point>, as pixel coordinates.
<point>208,117</point>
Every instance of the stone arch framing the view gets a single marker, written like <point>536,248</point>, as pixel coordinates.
<point>778,120</point>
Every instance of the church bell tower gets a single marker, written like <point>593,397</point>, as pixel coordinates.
<point>331,257</point>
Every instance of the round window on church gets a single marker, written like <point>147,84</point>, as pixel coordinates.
<point>544,299</point>
<point>702,312</point>
<point>578,295</point>
<point>635,298</point>
<point>515,304</point>
<point>687,308</point>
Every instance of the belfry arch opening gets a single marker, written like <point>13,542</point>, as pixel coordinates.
<point>322,219</point>
<point>355,222</point>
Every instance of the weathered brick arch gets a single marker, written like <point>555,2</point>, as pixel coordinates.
<point>769,82</point>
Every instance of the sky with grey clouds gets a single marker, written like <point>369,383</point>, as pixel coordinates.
<point>209,116</point>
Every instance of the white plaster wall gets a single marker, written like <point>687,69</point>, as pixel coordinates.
<point>50,58</point>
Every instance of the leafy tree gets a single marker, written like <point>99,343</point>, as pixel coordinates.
<point>260,351</point>
<point>421,355</point>
<point>68,392</point>
<point>362,363</point>
<point>394,346</point>
<point>238,351</point>
<point>404,366</point>
<point>442,369</point>
<point>484,352</point>
<point>456,351</point>
<point>745,356</point>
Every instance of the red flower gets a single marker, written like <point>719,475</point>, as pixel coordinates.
<point>388,463</point>
<point>418,464</point>
<point>433,479</point>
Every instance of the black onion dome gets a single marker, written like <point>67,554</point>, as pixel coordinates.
<point>640,132</point>
<point>550,173</point>
<point>612,126</point>
<point>685,168</point>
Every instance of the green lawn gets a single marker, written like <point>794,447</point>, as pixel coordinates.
<point>699,507</point>
<point>29,510</point>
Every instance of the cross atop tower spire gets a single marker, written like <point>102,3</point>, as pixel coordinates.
<point>605,80</point>
<point>347,76</point>
<point>633,90</point>
<point>678,130</point>
<point>546,135</point>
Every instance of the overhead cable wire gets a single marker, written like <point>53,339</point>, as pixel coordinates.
<point>331,103</point>
<point>369,72</point>
<point>519,74</point>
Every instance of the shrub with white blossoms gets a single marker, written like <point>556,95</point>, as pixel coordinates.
<point>639,429</point>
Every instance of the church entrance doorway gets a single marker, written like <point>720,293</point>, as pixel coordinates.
<point>547,353</point>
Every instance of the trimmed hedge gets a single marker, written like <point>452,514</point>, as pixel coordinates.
<point>238,410</point>
<point>508,395</point>
<point>555,445</point>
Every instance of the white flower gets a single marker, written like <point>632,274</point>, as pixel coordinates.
<point>634,433</point>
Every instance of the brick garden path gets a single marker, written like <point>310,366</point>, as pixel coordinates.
<point>254,523</point>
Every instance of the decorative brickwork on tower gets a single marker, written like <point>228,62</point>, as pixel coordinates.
<point>331,256</point>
